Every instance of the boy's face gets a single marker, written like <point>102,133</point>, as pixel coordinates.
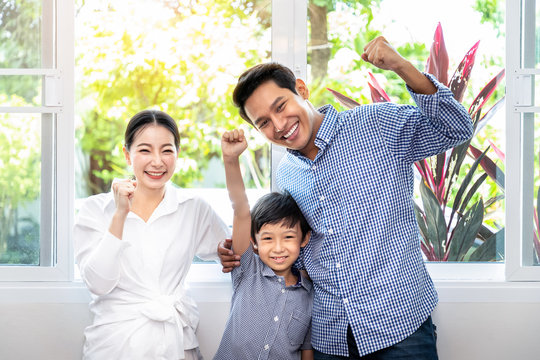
<point>283,117</point>
<point>279,246</point>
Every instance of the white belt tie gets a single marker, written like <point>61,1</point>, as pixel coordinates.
<point>167,308</point>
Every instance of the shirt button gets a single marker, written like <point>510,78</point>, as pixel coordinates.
<point>283,291</point>
<point>345,301</point>
<point>266,347</point>
<point>330,231</point>
<point>279,279</point>
<point>276,318</point>
<point>313,167</point>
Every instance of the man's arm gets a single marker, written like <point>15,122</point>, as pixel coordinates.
<point>381,54</point>
<point>233,143</point>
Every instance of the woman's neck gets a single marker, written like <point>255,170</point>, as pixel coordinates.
<point>145,201</point>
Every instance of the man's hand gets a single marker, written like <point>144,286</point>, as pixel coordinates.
<point>382,55</point>
<point>228,260</point>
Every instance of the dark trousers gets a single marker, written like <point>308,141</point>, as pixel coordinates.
<point>420,345</point>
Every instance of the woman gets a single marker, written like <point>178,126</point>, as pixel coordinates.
<point>134,247</point>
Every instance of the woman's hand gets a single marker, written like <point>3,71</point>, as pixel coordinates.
<point>123,191</point>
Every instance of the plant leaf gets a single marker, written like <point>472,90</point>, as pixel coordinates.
<point>457,155</point>
<point>492,200</point>
<point>464,184</point>
<point>488,250</point>
<point>420,219</point>
<point>460,79</point>
<point>489,166</point>
<point>436,225</point>
<point>471,192</point>
<point>465,232</point>
<point>437,62</point>
<point>488,115</point>
<point>485,93</point>
<point>440,169</point>
<point>344,100</point>
<point>377,92</point>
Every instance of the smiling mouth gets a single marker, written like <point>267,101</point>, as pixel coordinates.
<point>279,259</point>
<point>290,132</point>
<point>155,174</point>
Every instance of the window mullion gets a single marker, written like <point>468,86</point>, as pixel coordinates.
<point>289,47</point>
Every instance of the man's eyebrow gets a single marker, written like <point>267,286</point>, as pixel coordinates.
<point>273,105</point>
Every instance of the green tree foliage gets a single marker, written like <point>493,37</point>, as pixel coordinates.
<point>19,185</point>
<point>20,44</point>
<point>182,59</point>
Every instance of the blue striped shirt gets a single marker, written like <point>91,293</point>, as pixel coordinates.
<point>268,320</point>
<point>364,255</point>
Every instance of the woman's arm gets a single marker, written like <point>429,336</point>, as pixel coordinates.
<point>233,143</point>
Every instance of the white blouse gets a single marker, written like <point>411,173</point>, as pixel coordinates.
<point>140,307</point>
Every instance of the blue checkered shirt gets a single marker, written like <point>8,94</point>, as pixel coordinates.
<point>364,255</point>
<point>268,320</point>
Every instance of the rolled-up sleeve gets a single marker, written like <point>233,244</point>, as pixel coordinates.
<point>438,123</point>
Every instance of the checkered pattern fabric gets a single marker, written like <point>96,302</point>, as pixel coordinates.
<point>364,256</point>
<point>268,320</point>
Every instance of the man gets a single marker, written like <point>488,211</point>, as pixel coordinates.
<point>351,174</point>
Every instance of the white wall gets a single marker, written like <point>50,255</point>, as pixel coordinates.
<point>43,327</point>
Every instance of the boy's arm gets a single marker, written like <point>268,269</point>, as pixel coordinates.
<point>381,54</point>
<point>307,355</point>
<point>233,143</point>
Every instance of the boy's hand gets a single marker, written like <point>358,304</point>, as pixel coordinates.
<point>233,143</point>
<point>228,260</point>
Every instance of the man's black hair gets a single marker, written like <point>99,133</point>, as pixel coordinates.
<point>252,78</point>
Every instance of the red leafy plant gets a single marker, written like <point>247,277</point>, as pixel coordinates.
<point>451,227</point>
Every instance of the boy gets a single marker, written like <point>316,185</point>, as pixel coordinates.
<point>351,174</point>
<point>270,314</point>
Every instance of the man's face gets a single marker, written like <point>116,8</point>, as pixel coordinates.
<point>282,116</point>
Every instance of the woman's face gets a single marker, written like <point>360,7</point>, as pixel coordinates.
<point>153,156</point>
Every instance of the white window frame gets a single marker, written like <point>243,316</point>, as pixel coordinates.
<point>471,282</point>
<point>57,114</point>
<point>520,112</point>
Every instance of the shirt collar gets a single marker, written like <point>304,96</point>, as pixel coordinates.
<point>302,281</point>
<point>327,130</point>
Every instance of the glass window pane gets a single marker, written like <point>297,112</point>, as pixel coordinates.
<point>20,189</point>
<point>531,148</point>
<point>337,38</point>
<point>20,34</point>
<point>20,90</point>
<point>180,57</point>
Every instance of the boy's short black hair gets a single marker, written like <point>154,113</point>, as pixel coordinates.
<point>252,78</point>
<point>275,207</point>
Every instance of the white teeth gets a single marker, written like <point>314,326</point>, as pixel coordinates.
<point>293,129</point>
<point>154,174</point>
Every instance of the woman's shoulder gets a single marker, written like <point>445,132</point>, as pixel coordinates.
<point>97,202</point>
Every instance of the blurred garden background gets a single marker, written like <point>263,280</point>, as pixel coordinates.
<point>184,57</point>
